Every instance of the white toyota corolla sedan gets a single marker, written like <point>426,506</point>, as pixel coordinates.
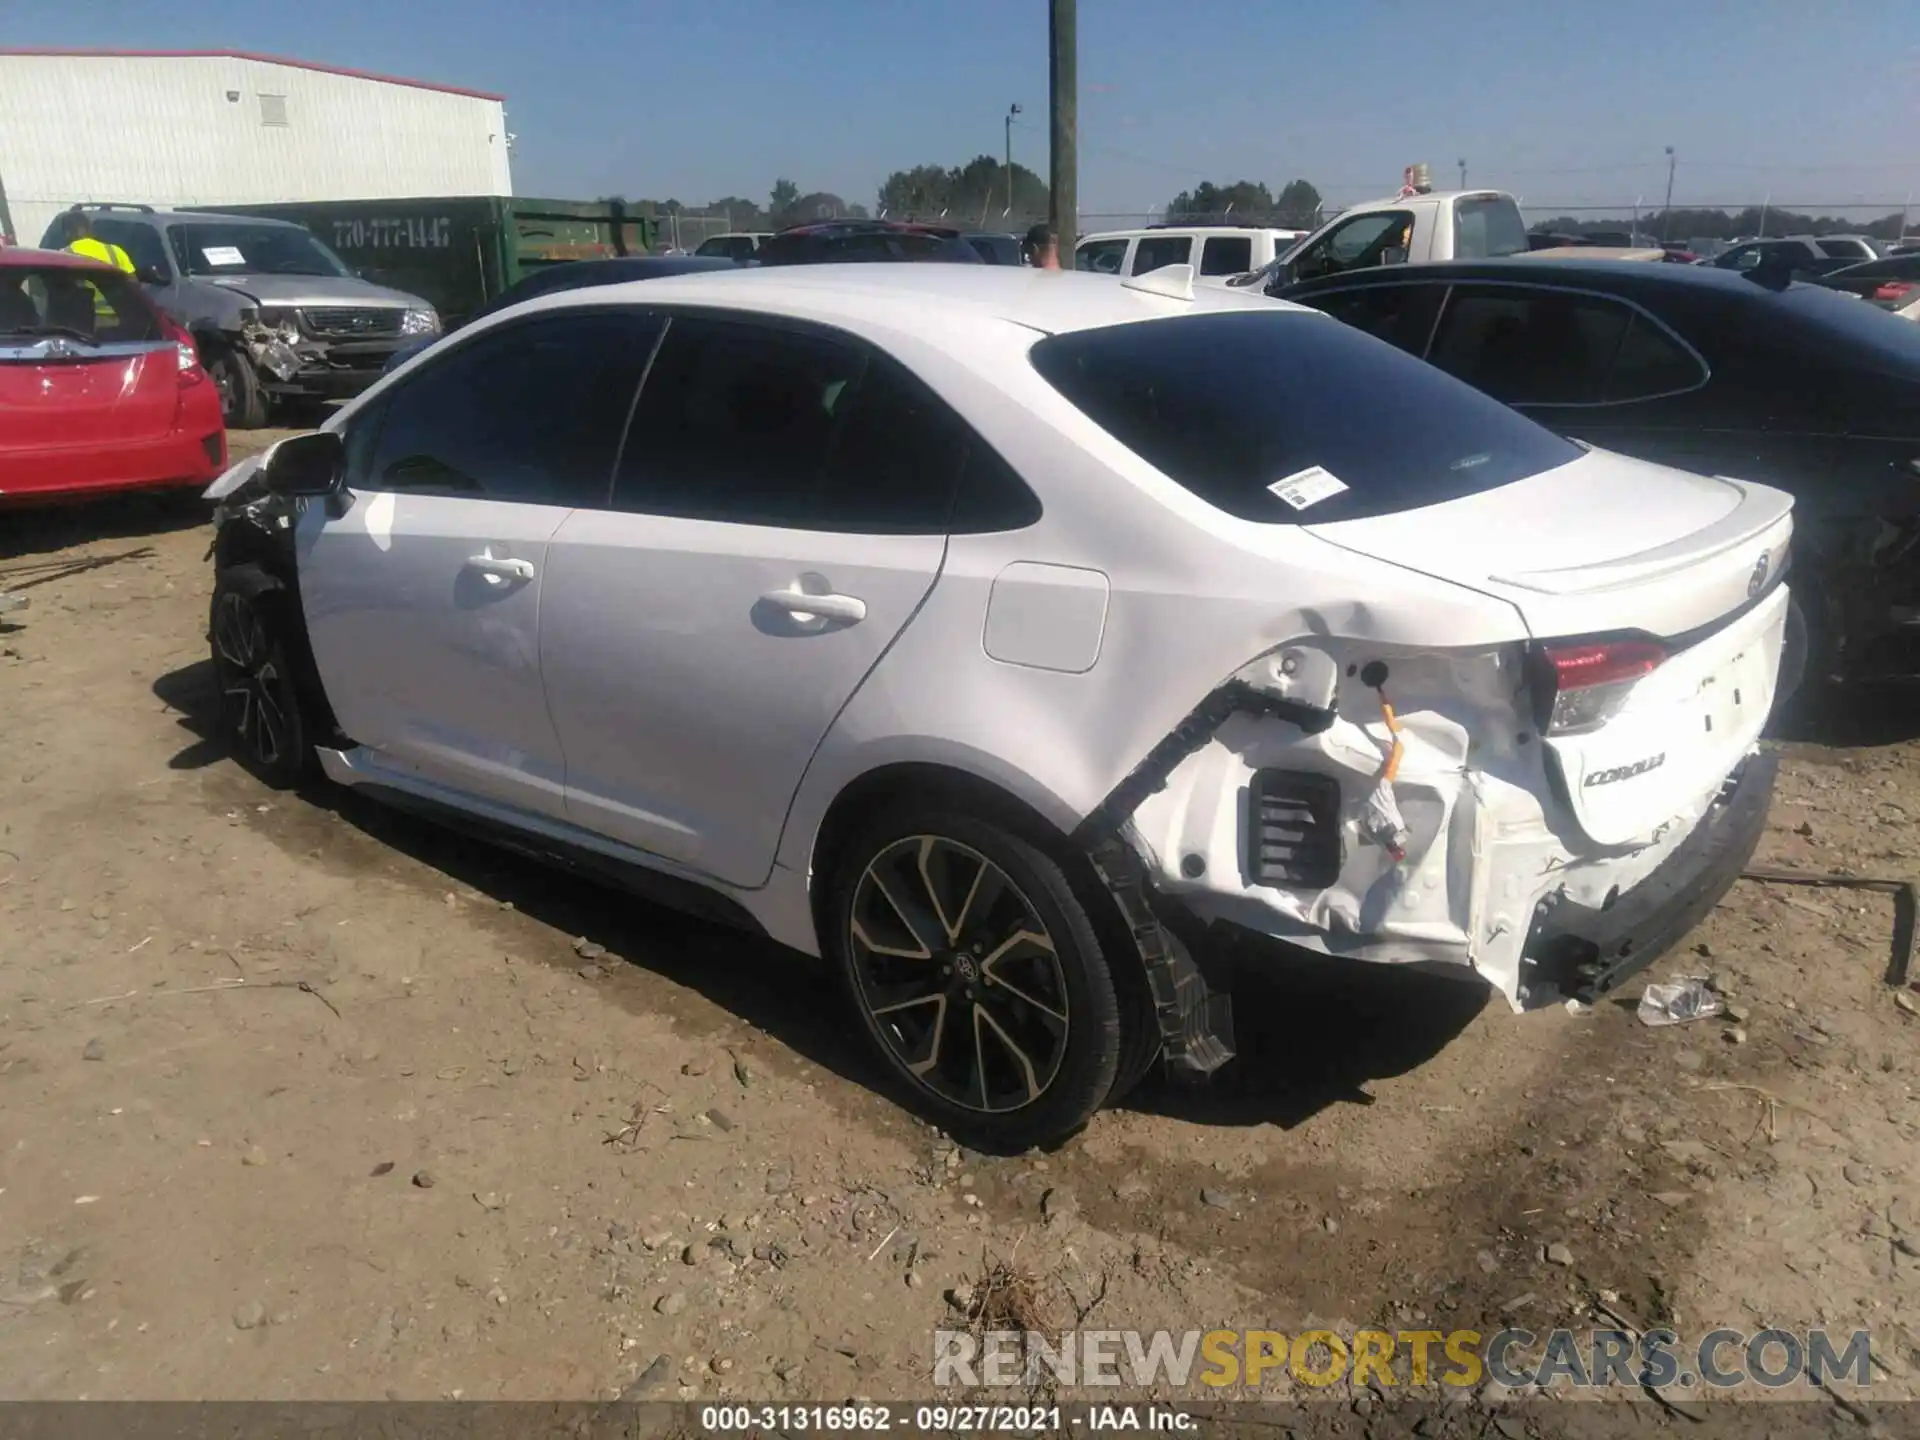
<point>995,632</point>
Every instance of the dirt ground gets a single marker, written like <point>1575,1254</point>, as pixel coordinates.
<point>303,1099</point>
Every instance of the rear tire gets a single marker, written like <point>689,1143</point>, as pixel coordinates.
<point>242,406</point>
<point>262,717</point>
<point>977,975</point>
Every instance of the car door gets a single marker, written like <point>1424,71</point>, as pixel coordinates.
<point>780,512</point>
<point>422,594</point>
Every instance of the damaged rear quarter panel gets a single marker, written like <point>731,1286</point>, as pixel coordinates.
<point>1471,788</point>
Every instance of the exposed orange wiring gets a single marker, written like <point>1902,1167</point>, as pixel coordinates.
<point>1393,728</point>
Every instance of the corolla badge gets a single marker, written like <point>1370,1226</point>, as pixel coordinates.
<point>1757,581</point>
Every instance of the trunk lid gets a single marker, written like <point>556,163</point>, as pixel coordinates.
<point>1606,545</point>
<point>56,392</point>
<point>1603,543</point>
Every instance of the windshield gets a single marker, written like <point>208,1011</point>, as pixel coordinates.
<point>236,248</point>
<point>98,305</point>
<point>1291,418</point>
<point>1488,226</point>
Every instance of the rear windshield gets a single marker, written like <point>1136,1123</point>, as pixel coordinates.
<point>1488,226</point>
<point>1242,408</point>
<point>98,305</point>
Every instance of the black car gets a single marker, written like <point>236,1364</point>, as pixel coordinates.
<point>838,242</point>
<point>997,249</point>
<point>578,275</point>
<point>1708,370</point>
<point>1892,283</point>
<point>1802,259</point>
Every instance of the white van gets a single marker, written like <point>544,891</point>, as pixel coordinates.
<point>1216,252</point>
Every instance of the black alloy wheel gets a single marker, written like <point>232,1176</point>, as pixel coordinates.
<point>976,971</point>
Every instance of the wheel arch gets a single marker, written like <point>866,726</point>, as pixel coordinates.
<point>943,782</point>
<point>260,563</point>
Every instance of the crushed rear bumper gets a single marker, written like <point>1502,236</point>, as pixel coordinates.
<point>1578,951</point>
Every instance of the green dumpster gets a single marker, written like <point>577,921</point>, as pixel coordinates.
<point>458,252</point>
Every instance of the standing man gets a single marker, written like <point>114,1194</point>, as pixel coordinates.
<point>1043,247</point>
<point>85,243</point>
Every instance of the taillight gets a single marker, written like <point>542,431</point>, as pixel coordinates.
<point>1895,290</point>
<point>1584,683</point>
<point>188,360</point>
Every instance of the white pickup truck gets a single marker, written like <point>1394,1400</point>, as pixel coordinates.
<point>1414,226</point>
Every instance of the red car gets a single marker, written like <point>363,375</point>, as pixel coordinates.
<point>99,392</point>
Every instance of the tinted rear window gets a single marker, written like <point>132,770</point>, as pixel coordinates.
<point>103,306</point>
<point>1230,404</point>
<point>1486,228</point>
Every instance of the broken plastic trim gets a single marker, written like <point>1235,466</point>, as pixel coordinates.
<point>1196,1025</point>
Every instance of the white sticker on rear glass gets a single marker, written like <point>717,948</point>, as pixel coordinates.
<point>223,255</point>
<point>1307,487</point>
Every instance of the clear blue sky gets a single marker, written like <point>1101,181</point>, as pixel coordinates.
<point>1561,103</point>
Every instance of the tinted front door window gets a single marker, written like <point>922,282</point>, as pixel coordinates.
<point>530,412</point>
<point>141,242</point>
<point>736,423</point>
<point>1226,255</point>
<point>1154,251</point>
<point>1102,257</point>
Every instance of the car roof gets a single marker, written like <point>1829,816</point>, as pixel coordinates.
<point>149,216</point>
<point>1567,273</point>
<point>1144,231</point>
<point>914,297</point>
<point>23,256</point>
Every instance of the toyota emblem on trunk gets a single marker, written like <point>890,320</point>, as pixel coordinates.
<point>1757,581</point>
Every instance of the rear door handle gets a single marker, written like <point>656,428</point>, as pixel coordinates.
<point>848,609</point>
<point>501,569</point>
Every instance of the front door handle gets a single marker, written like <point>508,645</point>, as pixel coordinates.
<point>847,609</point>
<point>501,569</point>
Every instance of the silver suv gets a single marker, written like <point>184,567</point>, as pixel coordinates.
<point>278,318</point>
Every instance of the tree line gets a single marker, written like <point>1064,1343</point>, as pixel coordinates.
<point>1296,207</point>
<point>1682,224</point>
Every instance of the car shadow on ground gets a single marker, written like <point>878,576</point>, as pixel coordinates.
<point>1851,717</point>
<point>43,530</point>
<point>1311,1031</point>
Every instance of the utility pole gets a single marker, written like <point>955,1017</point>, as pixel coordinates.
<point>1666,215</point>
<point>1012,110</point>
<point>1063,161</point>
<point>1463,174</point>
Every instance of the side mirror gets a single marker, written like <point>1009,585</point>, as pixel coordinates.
<point>302,465</point>
<point>152,275</point>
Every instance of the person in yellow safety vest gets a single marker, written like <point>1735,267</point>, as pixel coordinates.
<point>85,243</point>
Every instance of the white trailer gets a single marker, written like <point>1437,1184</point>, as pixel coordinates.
<point>203,127</point>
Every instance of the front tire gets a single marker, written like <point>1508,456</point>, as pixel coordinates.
<point>261,716</point>
<point>977,974</point>
<point>242,406</point>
